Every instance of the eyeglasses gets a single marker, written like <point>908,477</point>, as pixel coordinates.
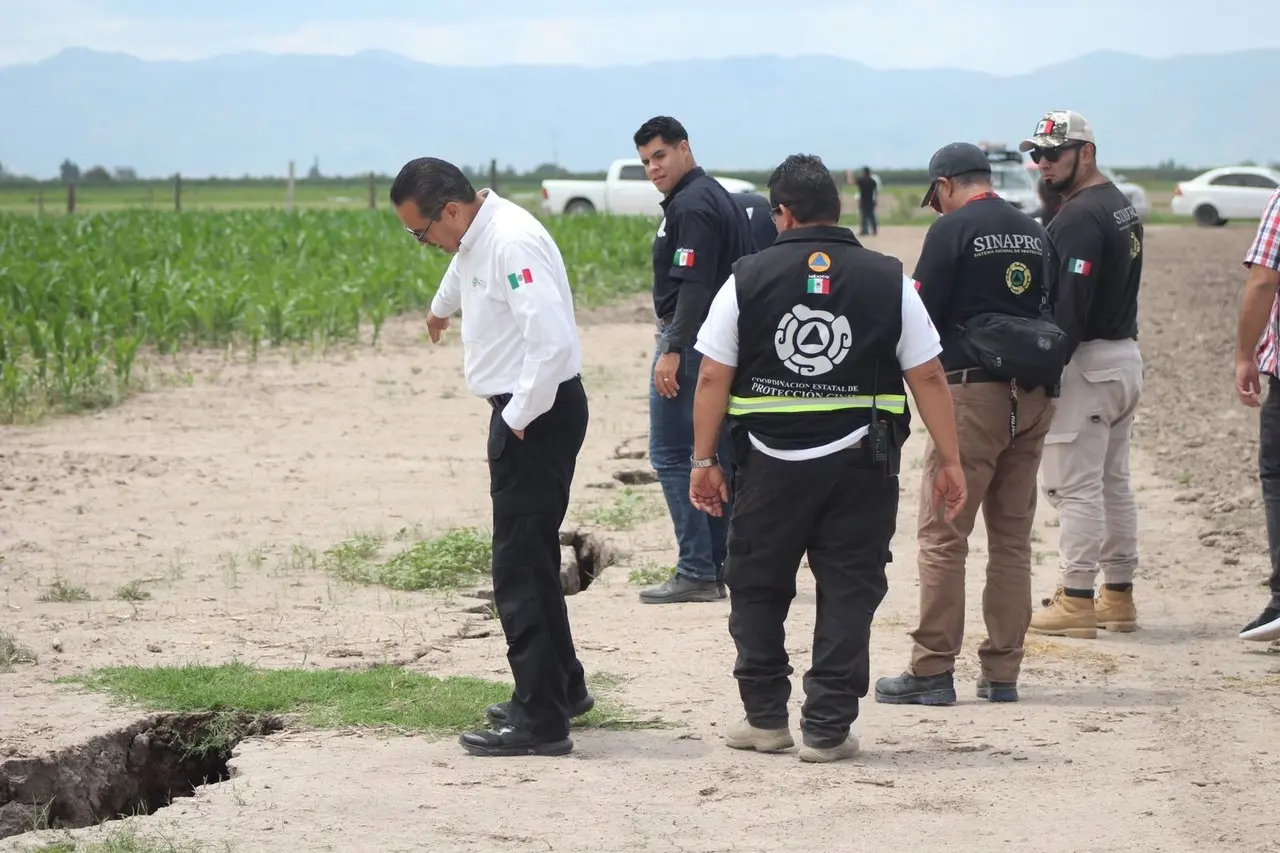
<point>1053,155</point>
<point>420,234</point>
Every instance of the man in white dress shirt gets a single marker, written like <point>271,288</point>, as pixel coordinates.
<point>521,353</point>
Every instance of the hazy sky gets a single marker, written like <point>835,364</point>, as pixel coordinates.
<point>999,36</point>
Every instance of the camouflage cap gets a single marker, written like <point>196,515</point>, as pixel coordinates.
<point>1058,127</point>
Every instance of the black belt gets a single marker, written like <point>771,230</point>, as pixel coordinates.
<point>977,374</point>
<point>972,374</point>
<point>499,401</point>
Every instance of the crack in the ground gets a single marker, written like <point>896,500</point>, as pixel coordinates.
<point>131,771</point>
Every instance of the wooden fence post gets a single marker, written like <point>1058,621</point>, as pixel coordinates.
<point>493,174</point>
<point>177,192</point>
<point>71,197</point>
<point>373,192</point>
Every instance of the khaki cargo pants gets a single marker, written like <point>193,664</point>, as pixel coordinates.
<point>1085,473</point>
<point>1001,479</point>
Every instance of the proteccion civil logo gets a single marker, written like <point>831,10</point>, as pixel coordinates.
<point>811,342</point>
<point>1017,277</point>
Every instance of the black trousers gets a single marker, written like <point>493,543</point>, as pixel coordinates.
<point>529,484</point>
<point>1269,474</point>
<point>843,512</point>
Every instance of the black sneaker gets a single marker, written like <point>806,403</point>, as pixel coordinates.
<point>908,689</point>
<point>680,589</point>
<point>497,713</point>
<point>997,691</point>
<point>1265,627</point>
<point>506,741</point>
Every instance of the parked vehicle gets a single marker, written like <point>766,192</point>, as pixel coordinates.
<point>626,189</point>
<point>1137,195</point>
<point>1010,179</point>
<point>1225,193</point>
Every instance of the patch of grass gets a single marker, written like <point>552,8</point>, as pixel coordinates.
<point>447,561</point>
<point>59,591</point>
<point>629,509</point>
<point>13,652</point>
<point>132,591</point>
<point>351,557</point>
<point>383,697</point>
<point>650,575</point>
<point>126,840</point>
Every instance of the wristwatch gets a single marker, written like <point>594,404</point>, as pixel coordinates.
<point>704,463</point>
<point>666,346</point>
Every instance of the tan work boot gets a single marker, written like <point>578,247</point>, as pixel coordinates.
<point>815,755</point>
<point>1116,611</point>
<point>743,735</point>
<point>1066,616</point>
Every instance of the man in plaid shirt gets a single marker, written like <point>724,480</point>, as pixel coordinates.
<point>1258,354</point>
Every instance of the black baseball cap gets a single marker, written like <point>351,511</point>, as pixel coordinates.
<point>951,160</point>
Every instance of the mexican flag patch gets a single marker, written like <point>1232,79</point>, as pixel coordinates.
<point>820,284</point>
<point>1079,267</point>
<point>518,278</point>
<point>683,258</point>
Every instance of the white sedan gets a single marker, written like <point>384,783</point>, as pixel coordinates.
<point>1230,192</point>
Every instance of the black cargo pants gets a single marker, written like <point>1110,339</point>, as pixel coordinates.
<point>843,512</point>
<point>530,480</point>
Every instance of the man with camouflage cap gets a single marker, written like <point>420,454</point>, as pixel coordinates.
<point>1096,242</point>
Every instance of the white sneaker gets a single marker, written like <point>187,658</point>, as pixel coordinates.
<point>1266,627</point>
<point>743,735</point>
<point>815,755</point>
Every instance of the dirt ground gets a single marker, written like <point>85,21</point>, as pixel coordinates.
<point>1160,740</point>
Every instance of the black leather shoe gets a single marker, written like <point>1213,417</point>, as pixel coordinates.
<point>997,691</point>
<point>908,689</point>
<point>506,741</point>
<point>497,714</point>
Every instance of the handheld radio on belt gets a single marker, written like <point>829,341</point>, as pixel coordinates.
<point>879,428</point>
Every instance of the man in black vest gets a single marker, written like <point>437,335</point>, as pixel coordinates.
<point>807,346</point>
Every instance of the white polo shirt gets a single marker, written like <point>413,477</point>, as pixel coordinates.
<point>718,340</point>
<point>519,335</point>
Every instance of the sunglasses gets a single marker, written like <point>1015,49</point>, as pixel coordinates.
<point>1053,155</point>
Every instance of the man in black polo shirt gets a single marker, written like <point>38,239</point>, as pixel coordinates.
<point>982,255</point>
<point>703,232</point>
<point>763,231</point>
<point>1097,245</point>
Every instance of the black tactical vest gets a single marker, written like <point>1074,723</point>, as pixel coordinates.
<point>819,318</point>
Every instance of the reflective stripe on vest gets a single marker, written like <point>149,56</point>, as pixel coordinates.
<point>893,403</point>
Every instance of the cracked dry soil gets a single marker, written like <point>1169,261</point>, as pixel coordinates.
<point>1160,740</point>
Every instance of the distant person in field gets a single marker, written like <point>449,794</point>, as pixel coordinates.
<point>868,200</point>
<point>763,231</point>
<point>1258,355</point>
<point>703,231</point>
<point>1097,240</point>
<point>522,355</point>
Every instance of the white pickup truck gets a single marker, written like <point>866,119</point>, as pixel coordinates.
<point>625,190</point>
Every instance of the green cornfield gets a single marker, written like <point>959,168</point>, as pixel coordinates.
<point>83,297</point>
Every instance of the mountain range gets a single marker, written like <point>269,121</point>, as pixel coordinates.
<point>251,113</point>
